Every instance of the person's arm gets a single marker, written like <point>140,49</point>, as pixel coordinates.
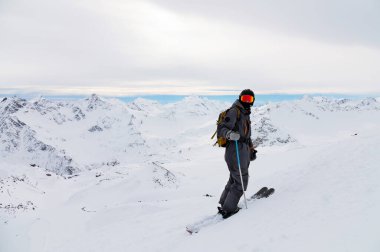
<point>252,150</point>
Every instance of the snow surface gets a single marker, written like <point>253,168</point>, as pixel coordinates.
<point>100,175</point>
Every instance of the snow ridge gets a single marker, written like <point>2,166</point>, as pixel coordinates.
<point>53,134</point>
<point>17,137</point>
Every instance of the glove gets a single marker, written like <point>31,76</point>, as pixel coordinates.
<point>253,154</point>
<point>232,135</point>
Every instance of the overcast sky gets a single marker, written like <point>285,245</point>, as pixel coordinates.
<point>129,47</point>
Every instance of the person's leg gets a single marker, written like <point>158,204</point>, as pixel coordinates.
<point>226,191</point>
<point>236,188</point>
<point>235,193</point>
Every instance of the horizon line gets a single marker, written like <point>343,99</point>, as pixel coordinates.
<point>170,98</point>
<point>43,94</point>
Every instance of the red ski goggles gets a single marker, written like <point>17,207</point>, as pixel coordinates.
<point>247,98</point>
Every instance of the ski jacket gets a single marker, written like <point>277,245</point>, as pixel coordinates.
<point>243,126</point>
<point>240,124</point>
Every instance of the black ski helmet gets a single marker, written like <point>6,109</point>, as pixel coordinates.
<point>247,92</point>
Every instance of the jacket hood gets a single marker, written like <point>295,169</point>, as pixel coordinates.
<point>238,104</point>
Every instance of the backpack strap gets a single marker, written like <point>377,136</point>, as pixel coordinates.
<point>238,113</point>
<point>216,131</point>
<point>237,118</point>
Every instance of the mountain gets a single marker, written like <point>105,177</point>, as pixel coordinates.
<point>66,137</point>
<point>105,175</point>
<point>20,140</point>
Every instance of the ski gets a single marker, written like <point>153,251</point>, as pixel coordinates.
<point>259,193</point>
<point>268,193</point>
<point>213,219</point>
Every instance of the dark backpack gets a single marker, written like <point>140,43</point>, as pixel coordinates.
<point>222,141</point>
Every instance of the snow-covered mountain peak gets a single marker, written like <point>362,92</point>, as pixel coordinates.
<point>197,106</point>
<point>11,105</point>
<point>94,102</point>
<point>370,101</point>
<point>331,104</point>
<point>195,99</point>
<point>145,105</point>
<point>54,134</point>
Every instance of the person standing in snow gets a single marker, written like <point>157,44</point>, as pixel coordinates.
<point>236,126</point>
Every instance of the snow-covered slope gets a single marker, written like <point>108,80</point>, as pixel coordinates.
<point>313,120</point>
<point>100,175</point>
<point>327,199</point>
<point>19,141</point>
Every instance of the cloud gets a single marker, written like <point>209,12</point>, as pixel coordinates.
<point>163,46</point>
<point>333,21</point>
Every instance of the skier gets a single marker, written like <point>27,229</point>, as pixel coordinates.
<point>236,126</point>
